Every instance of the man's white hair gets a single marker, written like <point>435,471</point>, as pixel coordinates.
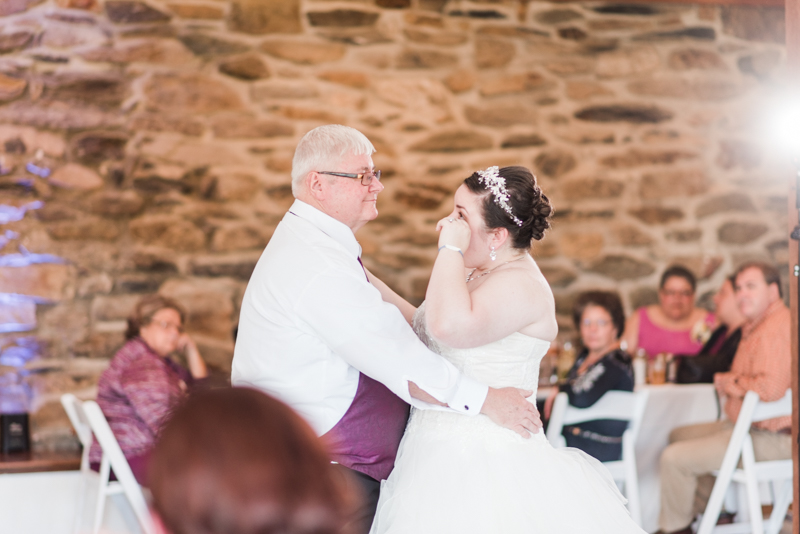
<point>323,148</point>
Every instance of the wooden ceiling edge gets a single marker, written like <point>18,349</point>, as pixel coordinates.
<point>754,3</point>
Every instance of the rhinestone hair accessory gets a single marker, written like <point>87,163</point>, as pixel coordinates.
<point>497,185</point>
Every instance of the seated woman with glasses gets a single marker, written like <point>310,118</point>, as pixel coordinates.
<point>142,384</point>
<point>602,366</point>
<point>674,325</point>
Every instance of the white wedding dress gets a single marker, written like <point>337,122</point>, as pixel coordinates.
<point>464,474</point>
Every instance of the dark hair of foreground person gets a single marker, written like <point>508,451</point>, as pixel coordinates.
<point>236,461</point>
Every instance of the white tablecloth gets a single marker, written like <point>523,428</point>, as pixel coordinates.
<point>668,407</point>
<point>45,503</point>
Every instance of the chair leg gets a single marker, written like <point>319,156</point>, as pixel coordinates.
<point>742,503</point>
<point>780,506</point>
<point>78,521</point>
<point>731,501</point>
<point>634,503</point>
<point>105,474</point>
<point>714,506</point>
<point>631,478</point>
<point>753,492</point>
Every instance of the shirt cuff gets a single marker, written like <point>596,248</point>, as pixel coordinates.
<point>469,397</point>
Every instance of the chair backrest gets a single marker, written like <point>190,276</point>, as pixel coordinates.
<point>80,423</point>
<point>768,410</point>
<point>111,449</point>
<point>617,405</point>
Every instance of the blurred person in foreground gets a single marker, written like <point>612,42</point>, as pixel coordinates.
<point>600,367</point>
<point>142,384</point>
<point>716,356</point>
<point>762,364</point>
<point>235,461</point>
<point>674,325</point>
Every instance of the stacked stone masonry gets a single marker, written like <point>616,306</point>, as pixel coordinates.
<point>146,146</point>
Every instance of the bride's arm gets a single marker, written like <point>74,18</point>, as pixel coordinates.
<point>447,299</point>
<point>507,302</point>
<point>502,305</point>
<point>388,295</point>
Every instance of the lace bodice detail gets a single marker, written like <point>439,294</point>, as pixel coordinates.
<point>511,361</point>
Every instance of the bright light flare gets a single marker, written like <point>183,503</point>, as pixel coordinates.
<point>782,123</point>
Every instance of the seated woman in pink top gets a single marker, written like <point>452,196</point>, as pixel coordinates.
<point>142,384</point>
<point>674,324</point>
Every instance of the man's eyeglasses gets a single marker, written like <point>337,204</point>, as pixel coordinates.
<point>601,323</point>
<point>365,177</point>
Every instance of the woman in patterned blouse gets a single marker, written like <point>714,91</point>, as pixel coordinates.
<point>142,384</point>
<point>601,366</point>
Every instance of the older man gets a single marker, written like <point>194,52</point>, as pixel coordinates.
<point>315,333</point>
<point>762,364</point>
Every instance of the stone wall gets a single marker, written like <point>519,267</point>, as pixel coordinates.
<point>146,147</point>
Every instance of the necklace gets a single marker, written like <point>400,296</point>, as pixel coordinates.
<point>470,278</point>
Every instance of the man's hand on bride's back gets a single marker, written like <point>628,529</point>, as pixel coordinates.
<point>509,407</point>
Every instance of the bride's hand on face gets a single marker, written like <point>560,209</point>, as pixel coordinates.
<point>453,231</point>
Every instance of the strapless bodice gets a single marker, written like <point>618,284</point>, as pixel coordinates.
<point>512,361</point>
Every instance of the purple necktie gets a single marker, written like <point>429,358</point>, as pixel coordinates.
<point>362,266</point>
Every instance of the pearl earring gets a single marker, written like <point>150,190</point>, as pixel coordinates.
<point>493,254</point>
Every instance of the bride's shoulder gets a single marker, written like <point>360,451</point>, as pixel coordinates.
<point>523,281</point>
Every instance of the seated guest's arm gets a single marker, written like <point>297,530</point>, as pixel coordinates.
<point>150,391</point>
<point>631,335</point>
<point>197,366</point>
<point>390,296</point>
<point>607,374</point>
<point>770,375</point>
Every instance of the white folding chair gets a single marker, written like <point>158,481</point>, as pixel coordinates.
<point>778,473</point>
<point>617,405</point>
<point>114,459</point>
<point>73,406</point>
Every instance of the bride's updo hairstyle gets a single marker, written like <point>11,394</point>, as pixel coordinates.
<point>527,202</point>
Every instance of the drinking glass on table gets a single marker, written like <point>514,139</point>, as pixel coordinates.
<point>658,369</point>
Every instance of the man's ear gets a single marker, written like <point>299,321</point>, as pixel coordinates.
<point>774,293</point>
<point>315,184</point>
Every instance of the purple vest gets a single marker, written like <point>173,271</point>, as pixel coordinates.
<point>366,439</point>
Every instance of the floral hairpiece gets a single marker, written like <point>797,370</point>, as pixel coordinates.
<point>497,185</point>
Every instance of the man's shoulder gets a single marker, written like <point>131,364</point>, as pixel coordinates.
<point>780,317</point>
<point>294,246</point>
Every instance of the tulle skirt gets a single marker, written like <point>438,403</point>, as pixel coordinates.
<point>463,474</point>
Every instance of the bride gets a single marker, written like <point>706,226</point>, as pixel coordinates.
<point>490,311</point>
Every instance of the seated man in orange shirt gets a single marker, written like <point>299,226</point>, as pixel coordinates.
<point>762,364</point>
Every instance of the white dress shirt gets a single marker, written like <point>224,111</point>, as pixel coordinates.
<point>310,321</point>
